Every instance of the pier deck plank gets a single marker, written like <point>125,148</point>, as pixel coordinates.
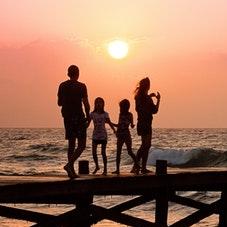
<point>58,189</point>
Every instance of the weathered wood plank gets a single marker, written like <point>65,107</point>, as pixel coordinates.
<point>198,215</point>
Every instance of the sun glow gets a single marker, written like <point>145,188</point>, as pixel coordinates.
<point>118,49</point>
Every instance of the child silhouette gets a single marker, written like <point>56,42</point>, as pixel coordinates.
<point>123,134</point>
<point>99,136</point>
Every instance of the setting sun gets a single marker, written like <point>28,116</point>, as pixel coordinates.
<point>118,49</point>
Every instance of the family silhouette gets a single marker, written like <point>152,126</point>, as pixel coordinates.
<point>75,109</point>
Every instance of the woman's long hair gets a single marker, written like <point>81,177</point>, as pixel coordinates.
<point>142,87</point>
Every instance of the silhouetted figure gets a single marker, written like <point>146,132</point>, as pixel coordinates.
<point>99,136</point>
<point>72,95</point>
<point>123,134</point>
<point>145,109</point>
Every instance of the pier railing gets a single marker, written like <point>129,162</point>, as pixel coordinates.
<point>160,187</point>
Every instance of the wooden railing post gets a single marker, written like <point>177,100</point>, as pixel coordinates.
<point>161,167</point>
<point>223,209</point>
<point>83,167</point>
<point>161,211</point>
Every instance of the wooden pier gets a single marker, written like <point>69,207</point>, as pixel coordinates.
<point>160,187</point>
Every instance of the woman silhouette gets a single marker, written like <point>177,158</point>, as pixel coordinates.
<point>145,109</point>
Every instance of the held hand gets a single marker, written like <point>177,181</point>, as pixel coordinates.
<point>87,124</point>
<point>88,118</point>
<point>88,121</point>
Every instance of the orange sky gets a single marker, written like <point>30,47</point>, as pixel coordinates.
<point>180,45</point>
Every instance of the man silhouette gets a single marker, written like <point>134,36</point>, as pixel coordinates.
<point>72,96</point>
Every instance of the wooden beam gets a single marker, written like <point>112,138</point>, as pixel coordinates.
<point>20,214</point>
<point>198,215</point>
<point>72,217</point>
<point>188,202</point>
<point>79,216</point>
<point>132,203</point>
<point>125,219</point>
<point>125,206</point>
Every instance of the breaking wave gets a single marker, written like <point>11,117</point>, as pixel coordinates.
<point>198,157</point>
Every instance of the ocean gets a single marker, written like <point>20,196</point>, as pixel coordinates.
<point>43,151</point>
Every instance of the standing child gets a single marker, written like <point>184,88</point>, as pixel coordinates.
<point>123,133</point>
<point>100,118</point>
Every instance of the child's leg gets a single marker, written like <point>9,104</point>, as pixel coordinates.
<point>95,157</point>
<point>136,166</point>
<point>128,143</point>
<point>104,158</point>
<point>120,143</point>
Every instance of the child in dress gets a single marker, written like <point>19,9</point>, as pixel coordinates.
<point>99,136</point>
<point>123,134</point>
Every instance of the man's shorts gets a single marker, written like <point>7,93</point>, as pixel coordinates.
<point>75,128</point>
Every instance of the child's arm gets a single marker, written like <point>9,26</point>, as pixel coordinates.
<point>88,122</point>
<point>110,124</point>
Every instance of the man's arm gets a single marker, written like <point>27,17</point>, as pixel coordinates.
<point>60,96</point>
<point>86,108</point>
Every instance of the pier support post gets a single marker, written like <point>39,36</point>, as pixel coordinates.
<point>223,209</point>
<point>84,209</point>
<point>161,211</point>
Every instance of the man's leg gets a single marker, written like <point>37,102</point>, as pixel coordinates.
<point>69,167</point>
<point>71,148</point>
<point>80,148</point>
